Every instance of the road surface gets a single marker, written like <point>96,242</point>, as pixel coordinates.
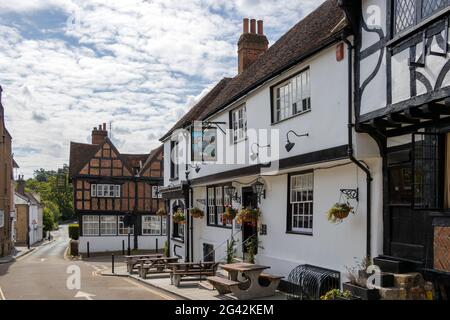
<point>45,274</point>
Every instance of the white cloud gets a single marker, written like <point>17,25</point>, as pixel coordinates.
<point>138,63</point>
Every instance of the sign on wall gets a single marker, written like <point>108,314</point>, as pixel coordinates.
<point>2,218</point>
<point>204,144</point>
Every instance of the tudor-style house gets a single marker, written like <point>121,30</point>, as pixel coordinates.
<point>109,185</point>
<point>6,185</point>
<point>279,136</point>
<point>403,101</point>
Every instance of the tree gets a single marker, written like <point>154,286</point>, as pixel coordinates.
<point>55,191</point>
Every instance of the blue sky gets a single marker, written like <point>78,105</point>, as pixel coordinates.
<point>69,65</point>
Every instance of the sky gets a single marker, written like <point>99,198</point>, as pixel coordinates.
<point>137,65</point>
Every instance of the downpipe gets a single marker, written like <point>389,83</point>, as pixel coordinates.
<point>350,150</point>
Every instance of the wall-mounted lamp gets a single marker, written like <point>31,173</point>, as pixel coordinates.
<point>255,155</point>
<point>232,193</point>
<point>259,189</point>
<point>290,145</point>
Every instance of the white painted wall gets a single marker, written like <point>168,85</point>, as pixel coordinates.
<point>114,243</point>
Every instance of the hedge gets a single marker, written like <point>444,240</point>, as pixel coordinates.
<point>74,231</point>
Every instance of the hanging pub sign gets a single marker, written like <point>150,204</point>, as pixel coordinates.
<point>204,144</point>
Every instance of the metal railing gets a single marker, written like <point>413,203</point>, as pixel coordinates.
<point>221,245</point>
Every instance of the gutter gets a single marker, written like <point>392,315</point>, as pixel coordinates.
<point>351,156</point>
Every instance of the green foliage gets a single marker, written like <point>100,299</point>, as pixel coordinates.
<point>336,293</point>
<point>252,246</point>
<point>74,231</point>
<point>56,196</point>
<point>49,220</point>
<point>231,250</point>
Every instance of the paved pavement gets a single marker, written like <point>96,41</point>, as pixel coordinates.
<point>45,274</point>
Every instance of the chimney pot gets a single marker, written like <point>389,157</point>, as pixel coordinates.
<point>245,24</point>
<point>260,27</point>
<point>104,126</point>
<point>253,26</point>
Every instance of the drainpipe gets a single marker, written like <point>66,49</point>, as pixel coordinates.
<point>351,156</point>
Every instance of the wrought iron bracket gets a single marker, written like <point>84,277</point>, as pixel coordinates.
<point>352,194</point>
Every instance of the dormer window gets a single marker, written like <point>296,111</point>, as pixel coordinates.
<point>292,97</point>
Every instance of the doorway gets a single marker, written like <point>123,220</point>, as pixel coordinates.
<point>249,200</point>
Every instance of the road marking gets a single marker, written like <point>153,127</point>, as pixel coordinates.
<point>2,296</point>
<point>87,296</point>
<point>134,282</point>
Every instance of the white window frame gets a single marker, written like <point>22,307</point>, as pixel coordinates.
<point>163,226</point>
<point>151,225</point>
<point>121,229</point>
<point>2,218</point>
<point>301,202</point>
<point>108,225</point>
<point>292,97</point>
<point>91,225</point>
<point>211,206</point>
<point>239,123</point>
<point>155,192</point>
<point>105,190</point>
<point>219,205</point>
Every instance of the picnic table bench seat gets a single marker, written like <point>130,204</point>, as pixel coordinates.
<point>180,270</point>
<point>222,285</point>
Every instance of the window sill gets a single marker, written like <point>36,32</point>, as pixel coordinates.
<point>299,233</point>
<point>408,32</point>
<point>174,179</point>
<point>291,117</point>
<point>221,227</point>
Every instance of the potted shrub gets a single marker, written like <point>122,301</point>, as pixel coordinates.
<point>179,217</point>
<point>337,294</point>
<point>196,213</point>
<point>357,285</point>
<point>249,216</point>
<point>161,212</point>
<point>339,212</point>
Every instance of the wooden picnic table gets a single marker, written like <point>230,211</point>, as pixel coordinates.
<point>200,269</point>
<point>251,287</point>
<point>159,264</point>
<point>133,260</point>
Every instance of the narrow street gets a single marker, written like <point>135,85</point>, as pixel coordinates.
<point>43,275</point>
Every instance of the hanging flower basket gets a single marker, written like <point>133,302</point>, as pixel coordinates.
<point>179,217</point>
<point>161,212</point>
<point>229,214</point>
<point>249,216</point>
<point>196,213</point>
<point>339,212</point>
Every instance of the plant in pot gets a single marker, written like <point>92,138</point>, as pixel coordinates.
<point>229,214</point>
<point>179,217</point>
<point>231,250</point>
<point>250,216</point>
<point>357,284</point>
<point>161,212</point>
<point>196,213</point>
<point>337,294</point>
<point>339,212</point>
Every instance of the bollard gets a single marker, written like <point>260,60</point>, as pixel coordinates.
<point>156,245</point>
<point>88,253</point>
<point>129,248</point>
<point>112,262</point>
<point>123,247</point>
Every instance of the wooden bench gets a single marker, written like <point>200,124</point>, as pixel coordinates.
<point>180,270</point>
<point>132,261</point>
<point>159,265</point>
<point>222,285</point>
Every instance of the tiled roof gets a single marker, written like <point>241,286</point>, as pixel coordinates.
<point>308,36</point>
<point>80,154</point>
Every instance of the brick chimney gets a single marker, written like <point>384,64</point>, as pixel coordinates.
<point>251,44</point>
<point>99,134</point>
<point>20,188</point>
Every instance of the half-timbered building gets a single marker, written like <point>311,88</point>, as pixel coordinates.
<point>403,101</point>
<point>109,185</point>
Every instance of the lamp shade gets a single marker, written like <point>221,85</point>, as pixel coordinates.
<point>258,188</point>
